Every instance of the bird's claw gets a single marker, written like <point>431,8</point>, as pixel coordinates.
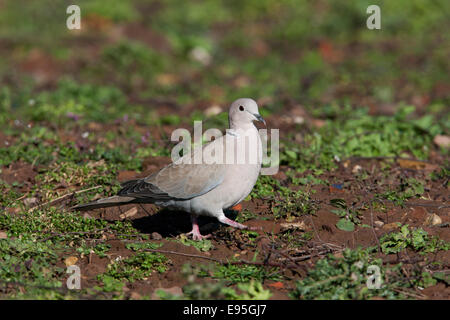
<point>197,236</point>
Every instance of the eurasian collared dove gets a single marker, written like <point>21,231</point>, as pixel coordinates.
<point>209,187</point>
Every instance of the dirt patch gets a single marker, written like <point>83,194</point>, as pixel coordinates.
<point>21,173</point>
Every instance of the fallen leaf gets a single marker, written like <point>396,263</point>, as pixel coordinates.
<point>3,235</point>
<point>70,261</point>
<point>293,225</point>
<point>167,79</point>
<point>277,285</point>
<point>391,226</point>
<point>128,213</point>
<point>415,165</point>
<point>237,207</point>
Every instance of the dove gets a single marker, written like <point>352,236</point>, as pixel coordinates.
<point>226,175</point>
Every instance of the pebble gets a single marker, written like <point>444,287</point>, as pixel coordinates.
<point>156,236</point>
<point>433,220</point>
<point>30,201</point>
<point>213,111</point>
<point>356,169</point>
<point>378,223</point>
<point>442,141</point>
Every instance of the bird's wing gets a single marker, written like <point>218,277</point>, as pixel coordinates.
<point>178,180</point>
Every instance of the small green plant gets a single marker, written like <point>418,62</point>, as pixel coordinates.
<point>83,102</point>
<point>415,239</point>
<point>202,245</point>
<point>356,133</point>
<point>349,217</point>
<point>110,284</point>
<point>138,266</point>
<point>252,290</point>
<point>407,189</point>
<point>100,249</point>
<point>343,278</point>
<point>293,204</point>
<point>138,246</point>
<point>244,273</point>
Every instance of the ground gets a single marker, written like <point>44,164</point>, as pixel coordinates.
<point>357,210</point>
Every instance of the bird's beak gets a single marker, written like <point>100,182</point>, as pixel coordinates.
<point>259,118</point>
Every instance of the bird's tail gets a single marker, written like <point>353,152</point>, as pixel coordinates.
<point>104,203</point>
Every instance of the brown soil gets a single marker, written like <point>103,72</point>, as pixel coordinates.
<point>229,243</point>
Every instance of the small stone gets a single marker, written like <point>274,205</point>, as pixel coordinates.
<point>442,141</point>
<point>356,169</point>
<point>201,55</point>
<point>30,201</point>
<point>213,111</point>
<point>433,220</point>
<point>378,224</point>
<point>299,120</point>
<point>156,236</point>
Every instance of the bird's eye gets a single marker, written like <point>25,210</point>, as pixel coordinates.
<point>241,108</point>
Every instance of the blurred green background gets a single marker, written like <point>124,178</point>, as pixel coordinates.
<point>318,54</point>
<point>81,110</point>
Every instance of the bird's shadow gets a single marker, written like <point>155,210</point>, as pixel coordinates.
<point>170,223</point>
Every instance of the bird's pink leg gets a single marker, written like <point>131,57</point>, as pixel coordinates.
<point>195,230</point>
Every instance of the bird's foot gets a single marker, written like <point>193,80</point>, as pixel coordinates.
<point>196,235</point>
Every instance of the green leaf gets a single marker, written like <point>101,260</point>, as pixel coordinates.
<point>345,225</point>
<point>291,154</point>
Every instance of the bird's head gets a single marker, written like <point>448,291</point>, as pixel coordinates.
<point>243,112</point>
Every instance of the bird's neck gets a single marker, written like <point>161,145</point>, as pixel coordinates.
<point>246,126</point>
